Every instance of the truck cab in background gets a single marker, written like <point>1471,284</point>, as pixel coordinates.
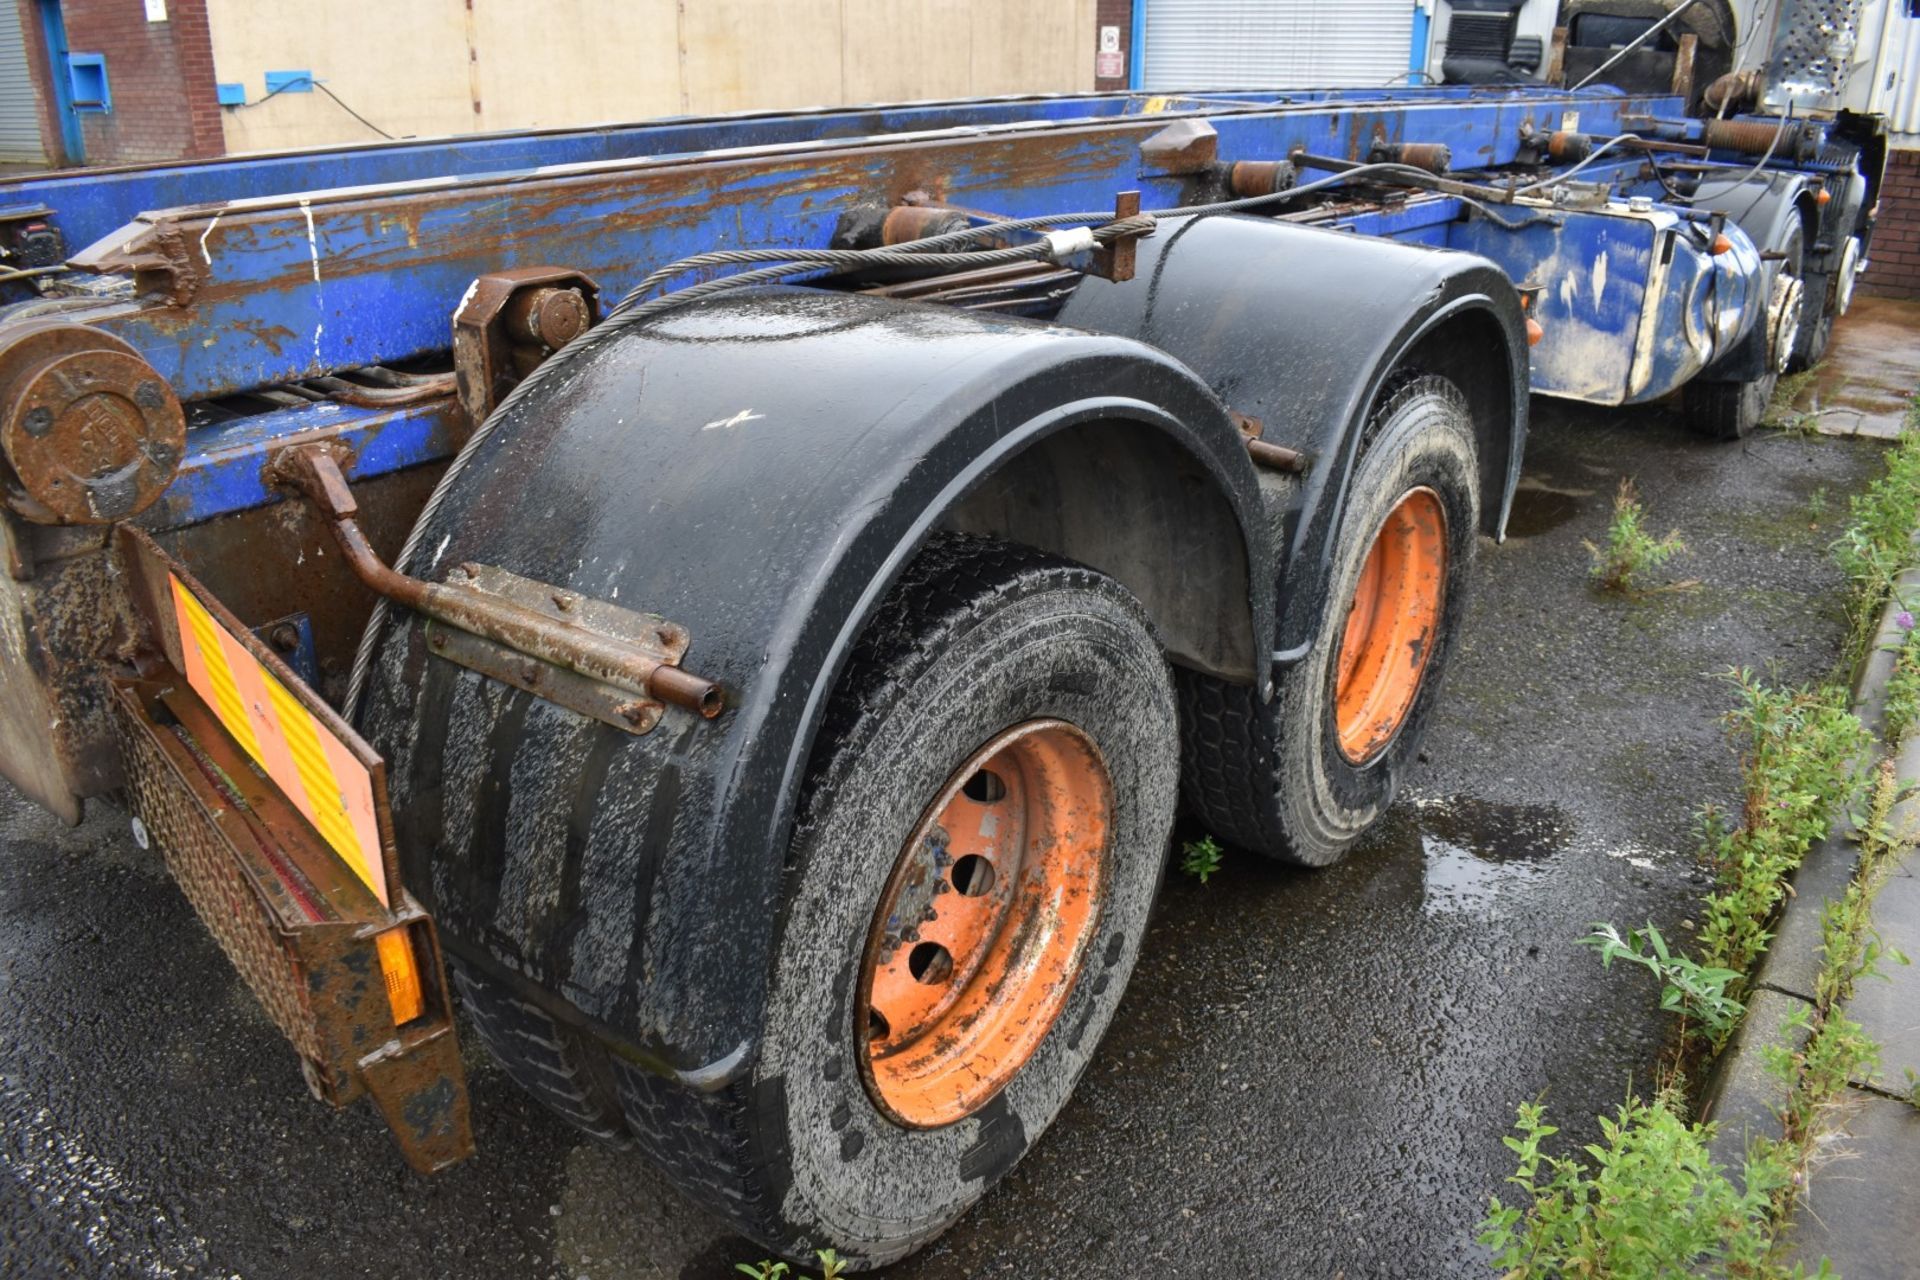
<point>1819,77</point>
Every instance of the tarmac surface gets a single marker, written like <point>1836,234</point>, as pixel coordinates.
<point>1310,1076</point>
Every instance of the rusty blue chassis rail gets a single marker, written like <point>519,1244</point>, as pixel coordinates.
<point>340,259</point>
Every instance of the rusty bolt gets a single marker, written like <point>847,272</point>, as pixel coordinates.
<point>285,637</point>
<point>437,640</point>
<point>150,396</point>
<point>38,421</point>
<point>549,316</point>
<point>563,601</point>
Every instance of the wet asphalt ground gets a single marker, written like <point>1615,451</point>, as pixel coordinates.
<point>1311,1073</point>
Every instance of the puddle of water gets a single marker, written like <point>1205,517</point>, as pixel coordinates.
<point>1474,850</point>
<point>1537,510</point>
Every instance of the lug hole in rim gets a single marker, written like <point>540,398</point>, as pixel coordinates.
<point>930,963</point>
<point>985,787</point>
<point>973,876</point>
<point>878,1027</point>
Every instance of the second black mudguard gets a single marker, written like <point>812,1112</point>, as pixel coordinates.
<point>1301,328</point>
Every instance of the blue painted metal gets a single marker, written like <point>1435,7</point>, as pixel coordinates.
<point>1422,30</point>
<point>53,30</point>
<point>221,473</point>
<point>289,288</point>
<point>289,82</point>
<point>262,270</point>
<point>230,94</point>
<point>87,85</point>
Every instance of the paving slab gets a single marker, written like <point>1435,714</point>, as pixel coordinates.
<point>1745,1098</point>
<point>1794,957</point>
<point>1862,1208</point>
<point>1888,1007</point>
<point>1867,380</point>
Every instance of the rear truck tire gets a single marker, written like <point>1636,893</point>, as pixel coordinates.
<point>1002,752</point>
<point>1731,410</point>
<point>1302,777</point>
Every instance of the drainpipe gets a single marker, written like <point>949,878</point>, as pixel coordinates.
<point>1422,48</point>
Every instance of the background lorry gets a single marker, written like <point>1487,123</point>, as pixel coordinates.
<point>756,589</point>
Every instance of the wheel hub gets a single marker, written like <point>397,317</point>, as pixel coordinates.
<point>983,925</point>
<point>1783,318</point>
<point>1391,626</point>
<point>1847,277</point>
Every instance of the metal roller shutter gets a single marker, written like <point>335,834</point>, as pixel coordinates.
<point>19,110</point>
<point>1194,44</point>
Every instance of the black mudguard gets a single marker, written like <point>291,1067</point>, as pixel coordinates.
<point>757,468</point>
<point>1766,207</point>
<point>1302,328</point>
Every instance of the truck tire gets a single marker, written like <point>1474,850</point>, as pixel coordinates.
<point>1301,777</point>
<point>1002,752</point>
<point>1731,410</point>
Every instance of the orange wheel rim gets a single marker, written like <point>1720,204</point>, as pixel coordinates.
<point>1391,625</point>
<point>984,923</point>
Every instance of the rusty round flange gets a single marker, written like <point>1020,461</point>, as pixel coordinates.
<point>90,431</point>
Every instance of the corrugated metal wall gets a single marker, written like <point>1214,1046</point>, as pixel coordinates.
<point>19,109</point>
<point>1279,43</point>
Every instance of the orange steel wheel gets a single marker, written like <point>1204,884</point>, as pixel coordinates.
<point>984,923</point>
<point>1390,625</point>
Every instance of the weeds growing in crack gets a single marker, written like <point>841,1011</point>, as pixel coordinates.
<point>1798,749</point>
<point>1630,551</point>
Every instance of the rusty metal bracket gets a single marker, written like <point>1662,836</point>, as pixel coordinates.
<point>1116,261</point>
<point>510,321</point>
<point>603,661</point>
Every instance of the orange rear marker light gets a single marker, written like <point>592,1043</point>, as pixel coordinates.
<point>1823,196</point>
<point>1722,245</point>
<point>402,974</point>
<point>1535,332</point>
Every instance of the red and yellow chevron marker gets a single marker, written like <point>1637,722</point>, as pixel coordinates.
<point>299,754</point>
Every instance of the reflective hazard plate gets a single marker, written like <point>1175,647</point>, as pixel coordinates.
<point>316,771</point>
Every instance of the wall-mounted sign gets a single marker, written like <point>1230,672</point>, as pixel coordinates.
<point>1109,66</point>
<point>156,10</point>
<point>1109,39</point>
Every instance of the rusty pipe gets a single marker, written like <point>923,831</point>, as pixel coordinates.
<point>1276,457</point>
<point>313,470</point>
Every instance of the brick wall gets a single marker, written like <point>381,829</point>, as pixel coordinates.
<point>159,75</point>
<point>1894,256</point>
<point>1114,13</point>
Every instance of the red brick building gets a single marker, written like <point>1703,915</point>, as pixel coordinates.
<point>1894,258</point>
<point>157,66</point>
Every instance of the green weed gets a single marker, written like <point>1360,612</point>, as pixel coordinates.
<point>1200,858</point>
<point>1651,1203</point>
<point>1630,551</point>
<point>1798,748</point>
<point>1903,693</point>
<point>1817,504</point>
<point>1875,545</point>
<point>1688,988</point>
<point>831,1268</point>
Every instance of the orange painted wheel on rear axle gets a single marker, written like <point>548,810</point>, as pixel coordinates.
<point>984,923</point>
<point>1390,626</point>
